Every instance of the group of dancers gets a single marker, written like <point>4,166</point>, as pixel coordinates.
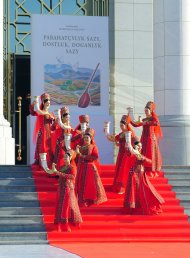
<point>76,162</point>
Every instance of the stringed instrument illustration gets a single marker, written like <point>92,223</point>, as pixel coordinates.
<point>84,100</point>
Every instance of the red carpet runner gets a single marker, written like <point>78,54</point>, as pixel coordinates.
<point>108,223</point>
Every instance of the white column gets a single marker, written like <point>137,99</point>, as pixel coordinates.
<point>7,143</point>
<point>131,56</point>
<point>172,77</point>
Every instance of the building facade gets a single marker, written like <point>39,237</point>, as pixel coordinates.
<point>149,55</point>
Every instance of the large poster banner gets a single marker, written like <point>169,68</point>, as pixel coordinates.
<point>70,61</point>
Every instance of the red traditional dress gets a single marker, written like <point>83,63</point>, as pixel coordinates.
<point>140,196</point>
<point>43,132</point>
<point>150,140</point>
<point>60,147</point>
<point>77,134</point>
<point>123,162</point>
<point>59,139</point>
<point>89,188</point>
<point>67,209</point>
<point>77,139</point>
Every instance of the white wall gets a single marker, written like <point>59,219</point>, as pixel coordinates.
<point>131,56</point>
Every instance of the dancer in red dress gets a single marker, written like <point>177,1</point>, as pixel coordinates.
<point>78,133</point>
<point>67,210</point>
<point>45,125</point>
<point>63,128</point>
<point>150,139</point>
<point>140,196</point>
<point>89,188</point>
<point>123,162</point>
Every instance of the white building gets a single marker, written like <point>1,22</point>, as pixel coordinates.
<point>149,57</point>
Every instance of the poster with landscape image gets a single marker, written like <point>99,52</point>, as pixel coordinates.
<point>67,83</point>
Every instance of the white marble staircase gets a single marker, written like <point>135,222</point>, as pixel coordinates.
<point>179,178</point>
<point>21,220</point>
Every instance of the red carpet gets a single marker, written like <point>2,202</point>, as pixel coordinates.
<point>108,223</point>
<point>125,250</point>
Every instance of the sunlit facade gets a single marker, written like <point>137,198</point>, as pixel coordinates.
<point>149,56</point>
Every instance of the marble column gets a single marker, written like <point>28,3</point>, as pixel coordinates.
<point>131,58</point>
<point>7,143</point>
<point>172,77</point>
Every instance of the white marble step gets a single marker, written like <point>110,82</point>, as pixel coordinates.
<point>179,178</point>
<point>21,221</point>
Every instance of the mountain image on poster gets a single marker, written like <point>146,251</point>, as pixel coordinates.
<point>69,84</point>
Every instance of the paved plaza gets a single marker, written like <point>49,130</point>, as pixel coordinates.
<point>34,251</point>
